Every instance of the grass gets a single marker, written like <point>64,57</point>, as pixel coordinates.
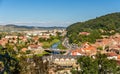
<point>60,46</point>
<point>42,54</point>
<point>49,44</point>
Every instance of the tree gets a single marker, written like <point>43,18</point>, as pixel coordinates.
<point>33,65</point>
<point>88,65</point>
<point>109,24</point>
<point>105,65</point>
<point>10,63</point>
<point>98,65</point>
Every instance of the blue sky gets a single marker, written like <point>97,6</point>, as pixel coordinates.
<point>54,12</point>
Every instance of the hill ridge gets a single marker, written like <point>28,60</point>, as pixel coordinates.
<point>106,23</point>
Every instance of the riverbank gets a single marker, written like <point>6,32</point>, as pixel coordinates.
<point>47,44</point>
<point>61,47</point>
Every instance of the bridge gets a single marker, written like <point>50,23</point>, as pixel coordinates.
<point>55,50</point>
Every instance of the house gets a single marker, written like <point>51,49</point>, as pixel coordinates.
<point>102,43</point>
<point>84,33</point>
<point>3,41</point>
<point>23,38</point>
<point>24,49</point>
<point>34,47</point>
<point>111,55</point>
<point>77,52</point>
<point>85,49</point>
<point>112,43</point>
<point>35,38</point>
<point>10,37</point>
<point>118,57</point>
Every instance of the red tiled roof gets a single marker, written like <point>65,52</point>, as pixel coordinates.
<point>118,57</point>
<point>111,54</point>
<point>86,50</point>
<point>23,49</point>
<point>90,48</point>
<point>36,38</point>
<point>84,33</point>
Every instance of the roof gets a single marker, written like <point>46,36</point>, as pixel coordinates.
<point>35,37</point>
<point>118,57</point>
<point>110,54</point>
<point>78,50</point>
<point>90,48</point>
<point>86,49</point>
<point>34,46</point>
<point>84,33</point>
<point>59,56</point>
<point>23,49</point>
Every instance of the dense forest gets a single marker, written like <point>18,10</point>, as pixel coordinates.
<point>105,25</point>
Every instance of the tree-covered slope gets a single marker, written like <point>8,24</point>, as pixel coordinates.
<point>104,25</point>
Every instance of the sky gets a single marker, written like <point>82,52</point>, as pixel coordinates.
<point>47,13</point>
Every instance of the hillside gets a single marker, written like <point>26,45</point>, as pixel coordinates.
<point>104,25</point>
<point>12,27</point>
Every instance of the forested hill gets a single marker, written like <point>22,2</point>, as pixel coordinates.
<point>102,25</point>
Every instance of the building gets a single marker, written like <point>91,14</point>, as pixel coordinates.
<point>8,37</point>
<point>86,49</point>
<point>61,60</point>
<point>24,49</point>
<point>34,47</point>
<point>84,33</point>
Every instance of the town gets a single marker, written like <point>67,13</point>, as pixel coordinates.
<point>59,37</point>
<point>54,47</point>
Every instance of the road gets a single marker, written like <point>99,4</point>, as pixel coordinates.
<point>69,47</point>
<point>66,43</point>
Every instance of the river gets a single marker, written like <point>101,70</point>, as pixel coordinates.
<point>54,47</point>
